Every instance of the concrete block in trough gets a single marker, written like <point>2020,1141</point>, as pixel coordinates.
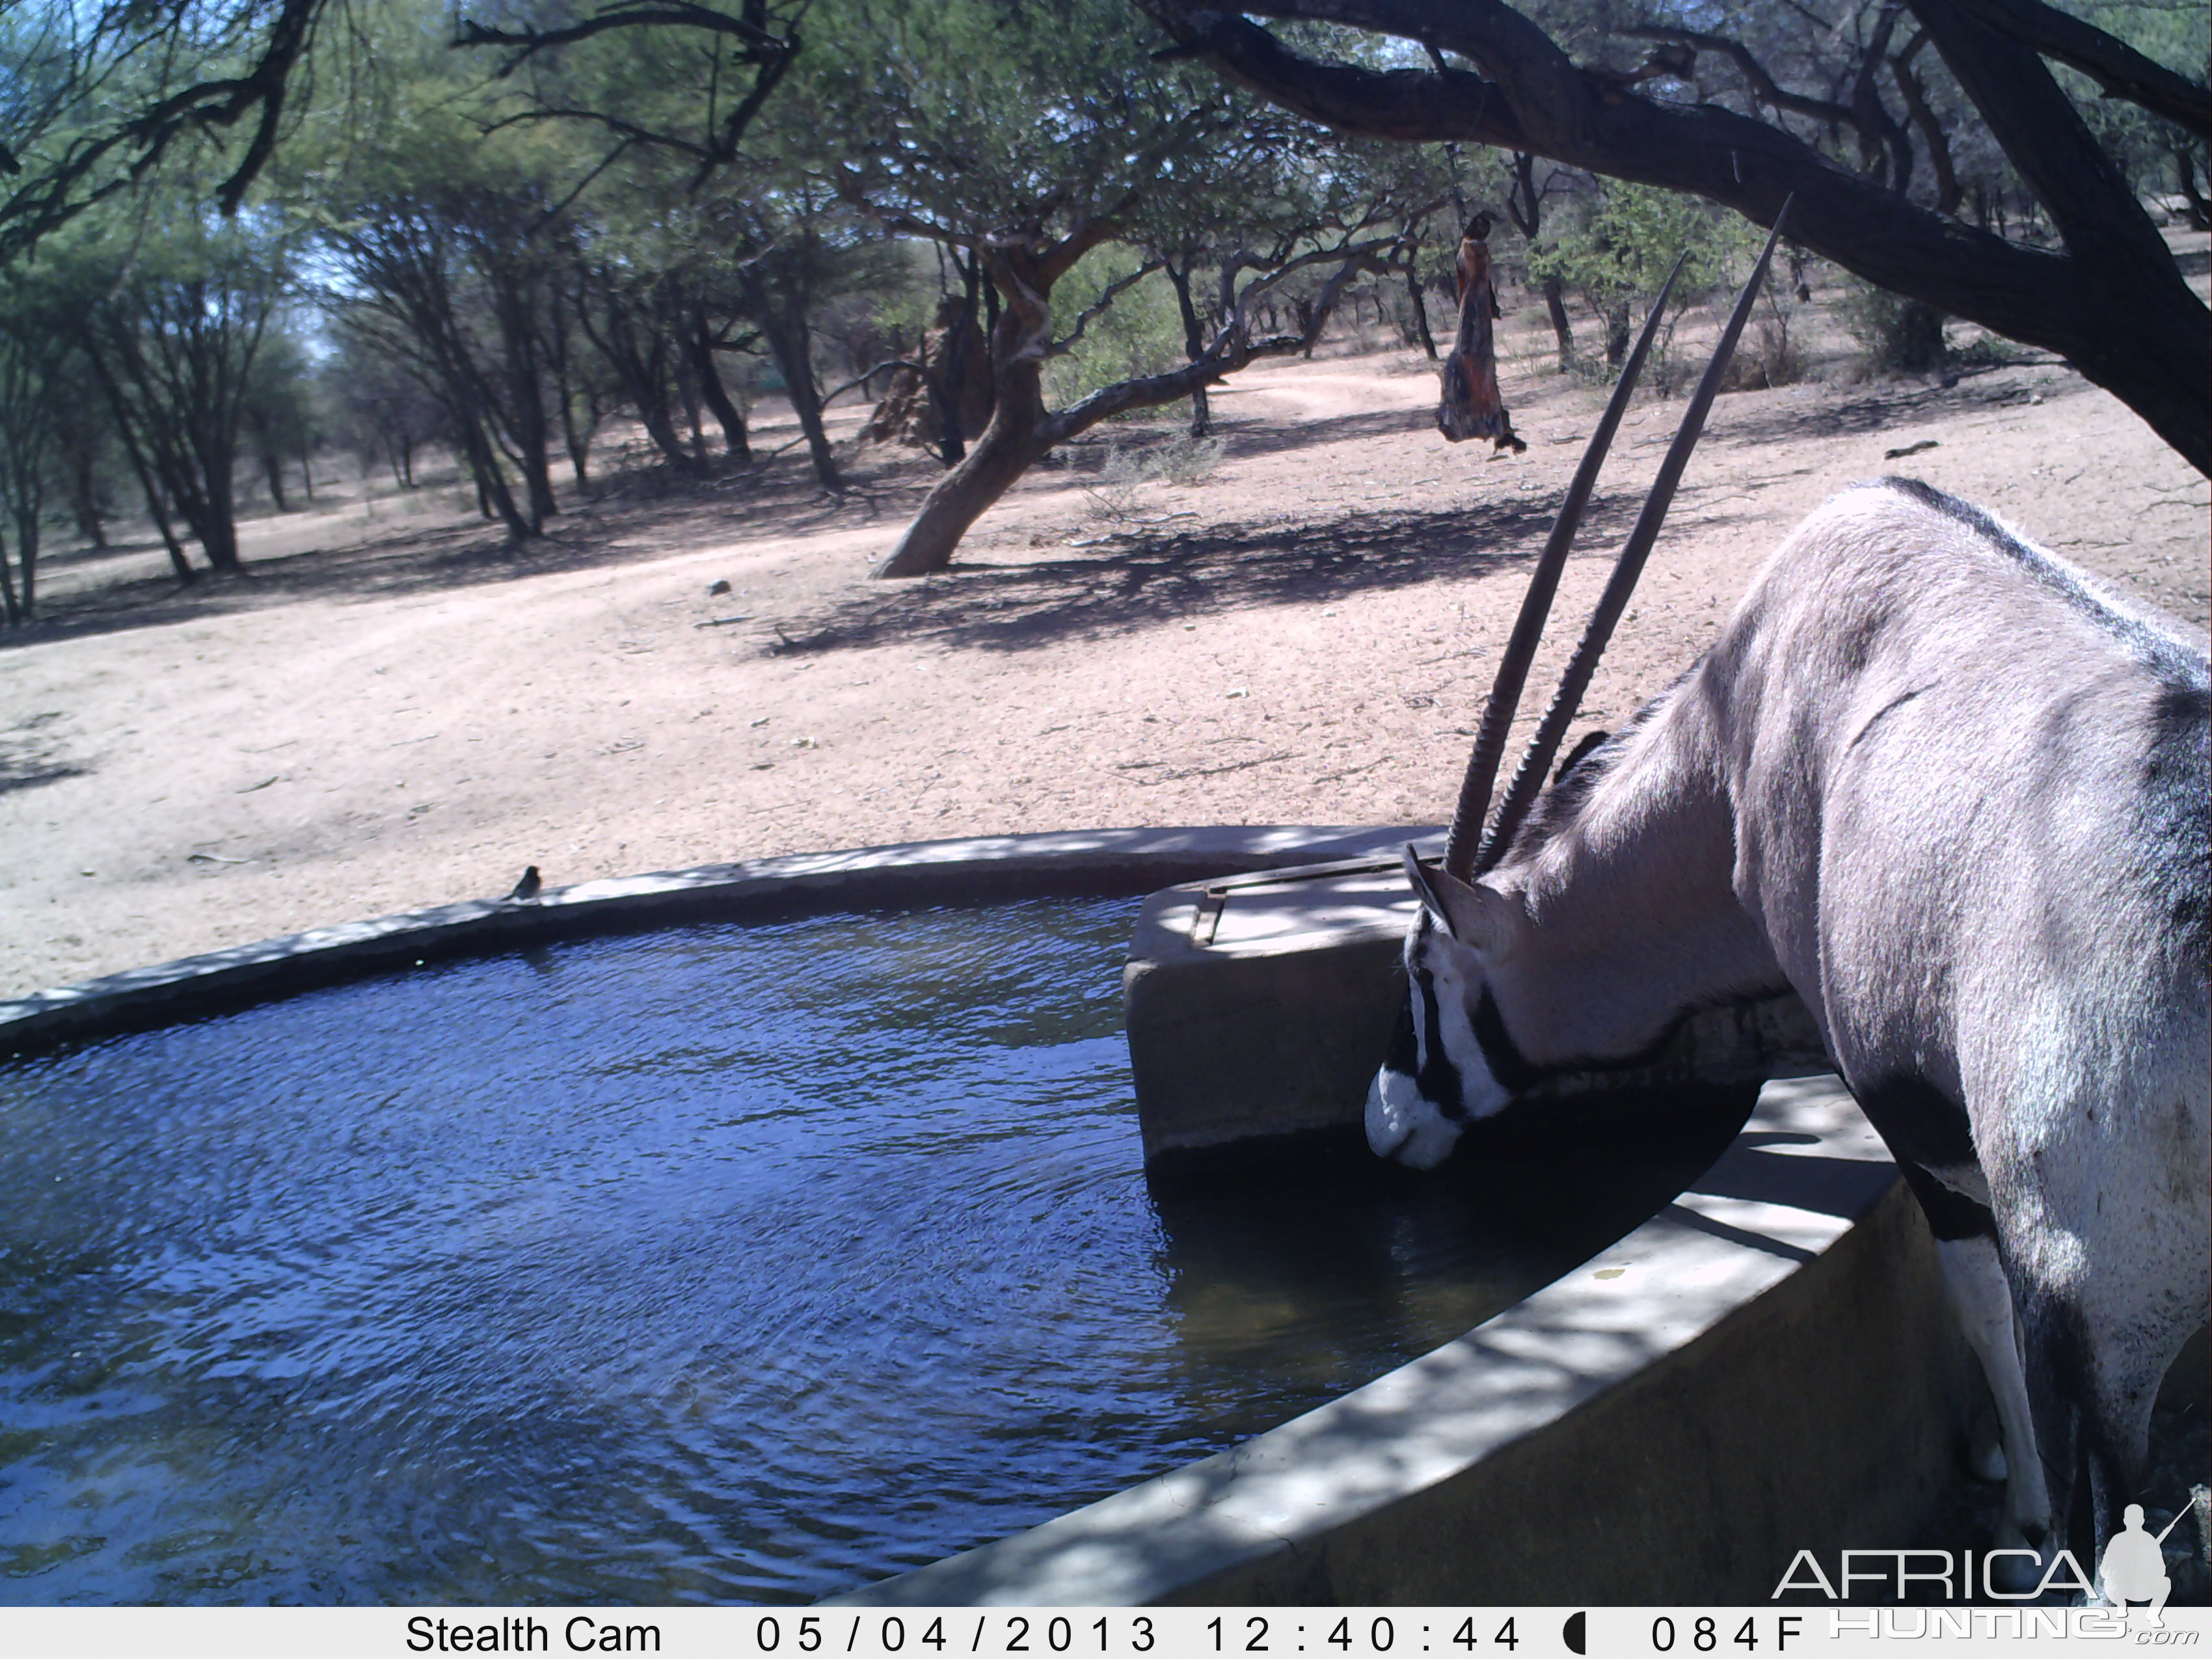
<point>1260,1006</point>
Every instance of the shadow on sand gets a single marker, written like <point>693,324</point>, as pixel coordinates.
<point>1144,580</point>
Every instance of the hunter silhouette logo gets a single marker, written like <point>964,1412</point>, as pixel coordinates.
<point>2133,1570</point>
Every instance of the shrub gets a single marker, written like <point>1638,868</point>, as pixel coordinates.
<point>1895,335</point>
<point>1620,251</point>
<point>1141,333</point>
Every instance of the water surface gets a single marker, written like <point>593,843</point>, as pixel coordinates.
<point>722,1263</point>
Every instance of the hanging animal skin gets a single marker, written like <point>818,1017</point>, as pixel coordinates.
<point>1470,406</point>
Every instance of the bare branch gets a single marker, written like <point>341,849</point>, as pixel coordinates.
<point>1763,86</point>
<point>58,192</point>
<point>861,379</point>
<point>761,46</point>
<point>1113,291</point>
<point>1231,351</point>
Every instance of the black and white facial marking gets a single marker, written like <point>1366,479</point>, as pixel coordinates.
<point>1442,1073</point>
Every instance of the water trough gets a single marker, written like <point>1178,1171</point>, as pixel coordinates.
<point>1732,1351</point>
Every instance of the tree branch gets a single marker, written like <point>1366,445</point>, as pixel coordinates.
<point>2119,68</point>
<point>761,46</point>
<point>1415,106</point>
<point>1114,290</point>
<point>2118,309</point>
<point>1763,86</point>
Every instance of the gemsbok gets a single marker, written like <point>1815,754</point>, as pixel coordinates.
<point>1953,792</point>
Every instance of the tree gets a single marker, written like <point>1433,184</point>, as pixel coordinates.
<point>790,250</point>
<point>1023,138</point>
<point>1524,204</point>
<point>454,259</point>
<point>407,260</point>
<point>94,101</point>
<point>1620,252</point>
<point>386,413</point>
<point>2111,300</point>
<point>31,356</point>
<point>689,230</point>
<point>278,413</point>
<point>640,316</point>
<point>171,316</point>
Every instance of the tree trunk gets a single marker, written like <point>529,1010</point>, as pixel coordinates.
<point>659,422</point>
<point>1019,434</point>
<point>687,389</point>
<point>565,392</point>
<point>16,615</point>
<point>1920,348</point>
<point>959,348</point>
<point>2199,212</point>
<point>1555,302</point>
<point>493,496</point>
<point>202,487</point>
<point>1616,335</point>
<point>140,465</point>
<point>1012,443</point>
<point>84,500</point>
<point>534,439</point>
<point>1021,431</point>
<point>1420,311</point>
<point>642,368</point>
<point>179,563</point>
<point>788,338</point>
<point>272,469</point>
<point>27,560</point>
<point>579,443</point>
<point>1193,343</point>
<point>218,539</point>
<point>733,422</point>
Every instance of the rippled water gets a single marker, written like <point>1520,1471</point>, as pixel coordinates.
<point>726,1263</point>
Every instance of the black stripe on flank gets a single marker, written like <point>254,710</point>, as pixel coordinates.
<point>1924,1128</point>
<point>1916,1120</point>
<point>1950,1215</point>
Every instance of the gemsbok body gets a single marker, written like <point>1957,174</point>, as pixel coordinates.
<point>1953,792</point>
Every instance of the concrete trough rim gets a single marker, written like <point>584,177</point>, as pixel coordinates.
<point>894,876</point>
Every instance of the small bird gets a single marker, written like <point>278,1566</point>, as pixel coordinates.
<point>527,887</point>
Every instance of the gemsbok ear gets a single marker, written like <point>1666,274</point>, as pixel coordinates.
<point>1480,918</point>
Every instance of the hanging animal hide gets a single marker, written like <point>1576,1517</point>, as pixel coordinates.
<point>1471,406</point>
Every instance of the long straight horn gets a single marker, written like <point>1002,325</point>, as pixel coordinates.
<point>1536,605</point>
<point>1529,781</point>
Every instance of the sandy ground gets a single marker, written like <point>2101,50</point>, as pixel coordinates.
<point>395,711</point>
